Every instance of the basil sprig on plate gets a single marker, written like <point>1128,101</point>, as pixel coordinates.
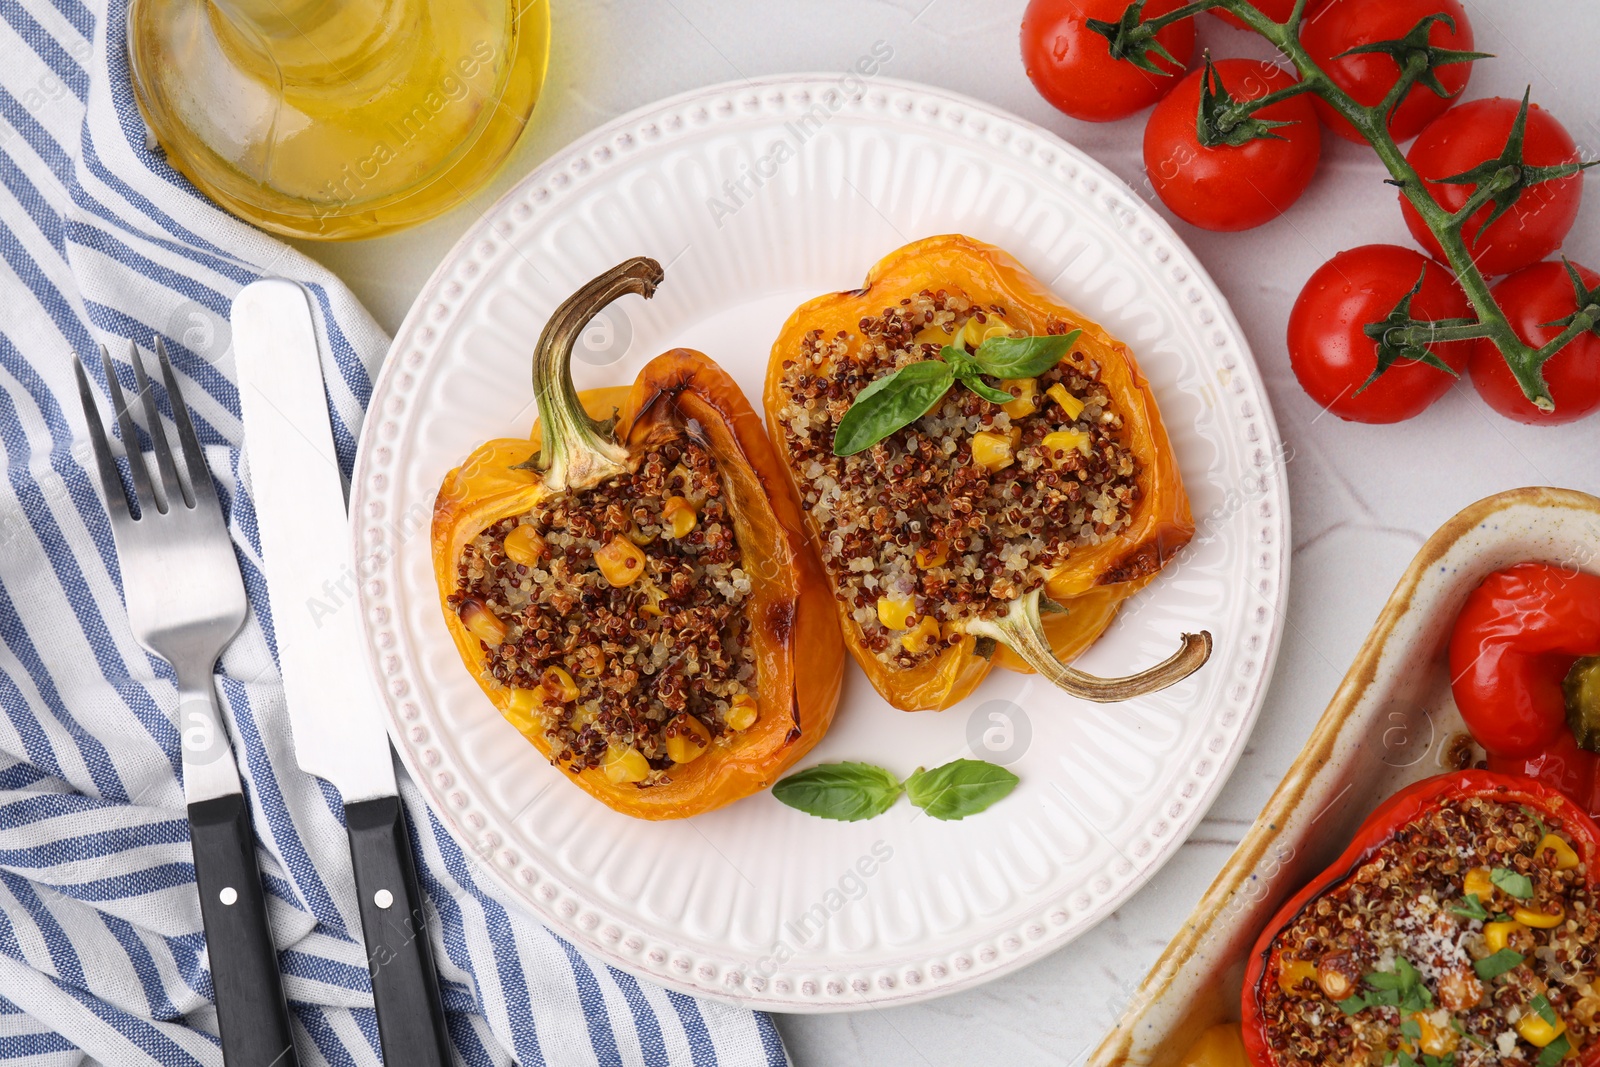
<point>851,791</point>
<point>902,397</point>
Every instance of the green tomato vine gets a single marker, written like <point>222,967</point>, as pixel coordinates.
<point>1500,181</point>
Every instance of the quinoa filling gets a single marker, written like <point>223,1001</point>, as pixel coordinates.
<point>1468,940</point>
<point>615,615</point>
<point>969,507</point>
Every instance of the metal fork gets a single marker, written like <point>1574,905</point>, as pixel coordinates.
<point>185,603</point>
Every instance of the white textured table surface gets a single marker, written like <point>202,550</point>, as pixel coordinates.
<point>1363,498</point>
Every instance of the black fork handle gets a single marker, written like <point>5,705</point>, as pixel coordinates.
<point>251,1010</point>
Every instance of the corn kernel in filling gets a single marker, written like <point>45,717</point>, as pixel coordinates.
<point>619,628</point>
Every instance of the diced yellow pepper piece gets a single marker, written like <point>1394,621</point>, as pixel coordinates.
<point>687,739</point>
<point>677,517</point>
<point>623,765</point>
<point>524,545</point>
<point>1069,403</point>
<point>558,685</point>
<point>620,561</point>
<point>1537,919</point>
<point>742,712</point>
<point>893,613</point>
<point>992,451</point>
<point>1026,391</point>
<point>934,555</point>
<point>917,639</point>
<point>1566,858</point>
<point>482,623</point>
<point>1293,972</point>
<point>1063,441</point>
<point>1498,935</point>
<point>1480,884</point>
<point>1537,1032</point>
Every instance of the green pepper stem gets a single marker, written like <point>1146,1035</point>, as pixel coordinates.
<point>1021,630</point>
<point>575,450</point>
<point>1581,690</point>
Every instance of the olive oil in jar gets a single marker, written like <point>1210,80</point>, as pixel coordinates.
<point>337,119</point>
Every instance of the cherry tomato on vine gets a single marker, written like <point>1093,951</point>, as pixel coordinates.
<point>1332,355</point>
<point>1072,67</point>
<point>1472,133</point>
<point>1533,296</point>
<point>1232,187</point>
<point>1367,77</point>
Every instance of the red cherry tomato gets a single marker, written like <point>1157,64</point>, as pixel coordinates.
<point>1331,355</point>
<point>1071,65</point>
<point>1465,136</point>
<point>1532,296</point>
<point>1345,24</point>
<point>1232,187</point>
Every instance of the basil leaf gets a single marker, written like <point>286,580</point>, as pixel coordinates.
<point>1512,883</point>
<point>987,391</point>
<point>967,373</point>
<point>1555,1051</point>
<point>891,402</point>
<point>1023,357</point>
<point>1491,967</point>
<point>956,790</point>
<point>1471,908</point>
<point>1541,1007</point>
<point>847,792</point>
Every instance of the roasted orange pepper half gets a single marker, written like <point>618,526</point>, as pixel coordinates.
<point>981,533</point>
<point>631,585</point>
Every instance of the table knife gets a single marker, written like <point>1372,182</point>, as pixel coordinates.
<point>333,698</point>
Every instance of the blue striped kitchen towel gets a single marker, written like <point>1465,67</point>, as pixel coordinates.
<point>102,958</point>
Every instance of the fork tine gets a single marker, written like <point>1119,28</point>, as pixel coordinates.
<point>110,479</point>
<point>158,436</point>
<point>145,497</point>
<point>193,457</point>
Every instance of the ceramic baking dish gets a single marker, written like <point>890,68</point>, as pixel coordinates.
<point>1390,723</point>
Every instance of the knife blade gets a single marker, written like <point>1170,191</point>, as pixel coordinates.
<point>333,699</point>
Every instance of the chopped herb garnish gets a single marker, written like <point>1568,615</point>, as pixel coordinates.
<point>1540,1005</point>
<point>1471,908</point>
<point>1511,883</point>
<point>1491,967</point>
<point>1352,1004</point>
<point>1401,988</point>
<point>1555,1051</point>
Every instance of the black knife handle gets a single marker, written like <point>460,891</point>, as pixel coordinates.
<point>394,920</point>
<point>251,1011</point>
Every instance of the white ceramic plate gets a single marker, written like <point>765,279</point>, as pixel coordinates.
<point>755,197</point>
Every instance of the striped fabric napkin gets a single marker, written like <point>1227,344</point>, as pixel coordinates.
<point>102,958</point>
